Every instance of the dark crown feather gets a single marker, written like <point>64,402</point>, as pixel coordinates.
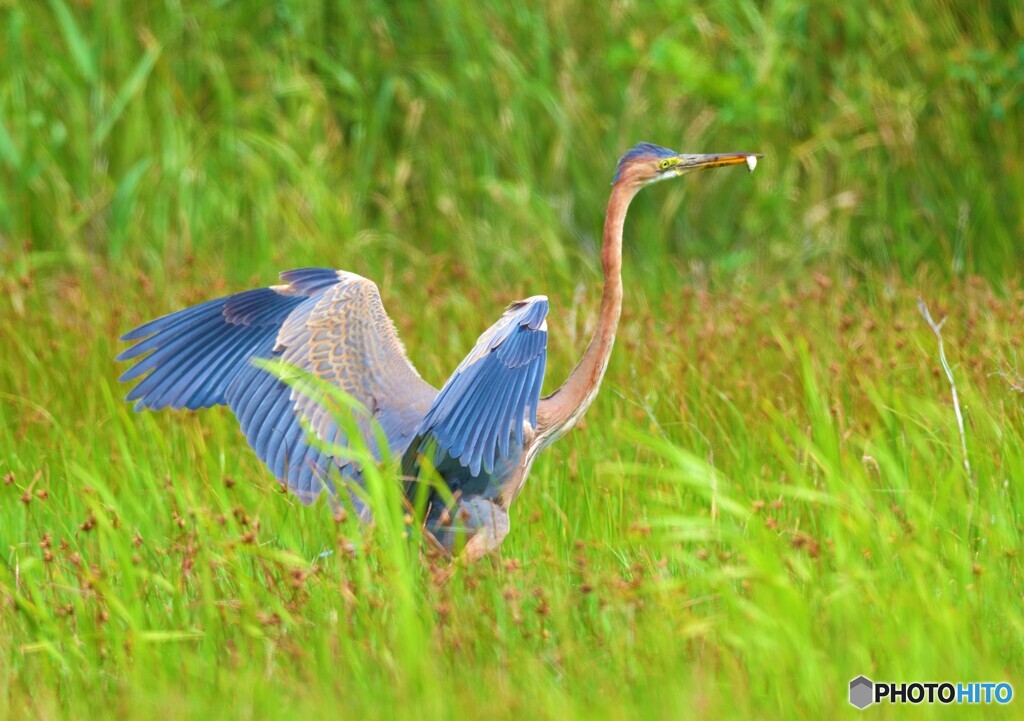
<point>640,150</point>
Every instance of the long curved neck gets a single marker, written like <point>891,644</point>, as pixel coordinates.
<point>562,409</point>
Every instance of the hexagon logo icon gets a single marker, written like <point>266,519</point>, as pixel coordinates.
<point>861,692</point>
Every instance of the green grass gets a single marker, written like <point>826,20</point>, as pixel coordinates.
<point>767,499</point>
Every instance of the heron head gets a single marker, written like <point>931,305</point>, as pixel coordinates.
<point>647,163</point>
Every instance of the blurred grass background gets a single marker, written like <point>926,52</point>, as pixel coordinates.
<point>767,499</point>
<point>281,131</point>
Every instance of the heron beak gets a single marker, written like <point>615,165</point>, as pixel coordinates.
<point>689,163</point>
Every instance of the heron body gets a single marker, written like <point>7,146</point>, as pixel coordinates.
<point>482,429</point>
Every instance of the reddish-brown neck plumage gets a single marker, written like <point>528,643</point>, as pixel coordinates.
<point>561,410</point>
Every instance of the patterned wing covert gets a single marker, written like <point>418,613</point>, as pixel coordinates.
<point>329,323</point>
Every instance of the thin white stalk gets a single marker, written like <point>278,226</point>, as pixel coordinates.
<point>937,330</point>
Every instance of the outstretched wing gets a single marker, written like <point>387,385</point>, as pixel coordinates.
<point>480,411</point>
<point>329,323</point>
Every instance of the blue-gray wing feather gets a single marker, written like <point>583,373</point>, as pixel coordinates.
<point>479,414</point>
<point>329,323</point>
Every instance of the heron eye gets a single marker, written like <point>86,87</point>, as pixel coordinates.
<point>664,164</point>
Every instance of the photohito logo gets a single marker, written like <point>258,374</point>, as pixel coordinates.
<point>864,692</point>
